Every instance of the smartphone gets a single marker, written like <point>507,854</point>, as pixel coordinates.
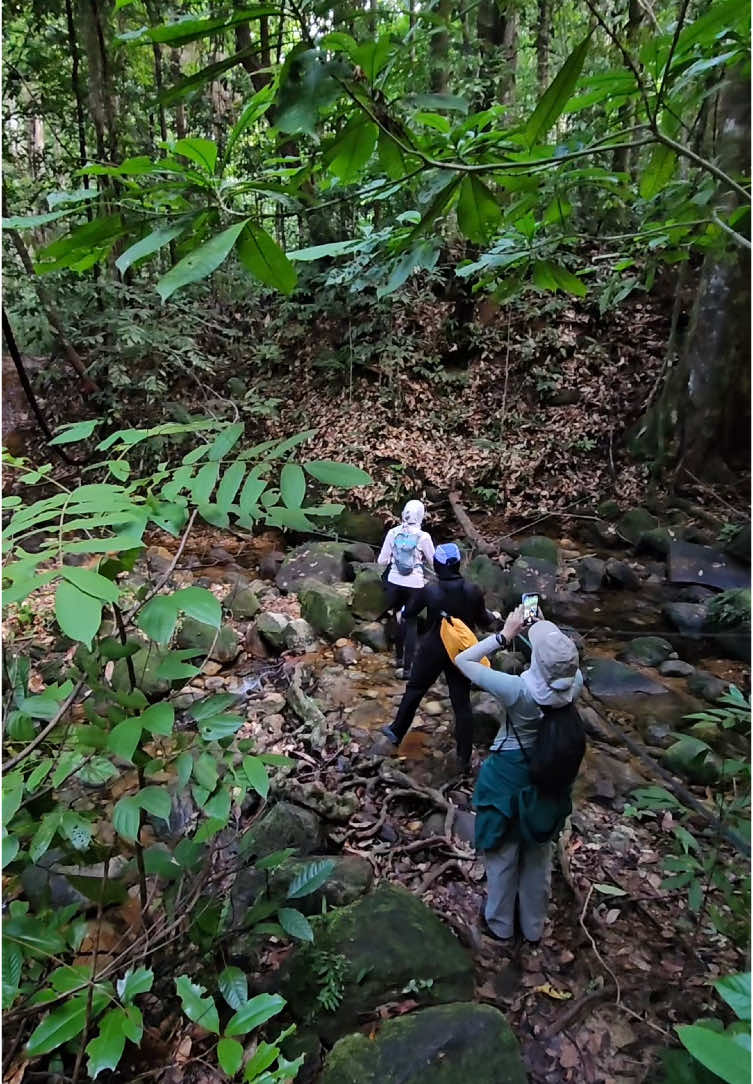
<point>530,608</point>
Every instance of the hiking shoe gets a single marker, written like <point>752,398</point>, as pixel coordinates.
<point>390,734</point>
<point>400,673</point>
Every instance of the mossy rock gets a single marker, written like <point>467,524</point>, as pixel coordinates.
<point>241,602</point>
<point>449,1044</point>
<point>541,547</point>
<point>321,561</point>
<point>491,578</point>
<point>326,608</point>
<point>656,541</point>
<point>350,879</point>
<point>691,757</point>
<point>609,510</point>
<point>739,545</point>
<point>373,635</point>
<point>360,527</point>
<point>633,524</point>
<point>273,627</point>
<point>369,596</point>
<point>146,662</point>
<point>284,825</point>
<point>646,651</point>
<point>531,575</point>
<point>198,635</point>
<point>389,940</point>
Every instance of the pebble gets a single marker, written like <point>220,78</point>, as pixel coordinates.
<point>211,668</point>
<point>676,668</point>
<point>342,642</point>
<point>272,704</point>
<point>433,708</point>
<point>214,684</point>
<point>346,655</point>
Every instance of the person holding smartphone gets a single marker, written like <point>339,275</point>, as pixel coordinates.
<point>515,821</point>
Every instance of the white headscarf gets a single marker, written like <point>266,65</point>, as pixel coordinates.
<point>413,514</point>
<point>554,665</point>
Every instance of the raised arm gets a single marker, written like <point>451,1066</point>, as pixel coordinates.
<point>506,687</point>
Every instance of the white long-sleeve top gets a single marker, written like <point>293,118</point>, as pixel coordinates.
<point>424,551</point>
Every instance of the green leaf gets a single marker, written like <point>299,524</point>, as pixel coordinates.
<point>184,767</point>
<point>91,582</point>
<point>479,214</point>
<point>256,774</point>
<point>352,148</point>
<point>134,983</point>
<point>201,262</point>
<point>205,771</point>
<point>30,222</point>
<point>201,151</point>
<point>174,667</point>
<point>255,1013</point>
<point>218,806</point>
<point>107,1049</point>
<point>10,848</point>
<point>200,604</point>
<point>189,28</point>
<point>342,475</point>
<point>735,989</point>
<point>274,860</point>
<point>553,277</point>
<point>75,431</point>
<point>610,890</point>
<point>556,96</point>
<point>264,259</point>
<point>265,1054</point>
<point>155,800</point>
<point>150,244</point>
<point>124,738</point>
<point>391,158</point>
<point>230,484</point>
<point>253,110</point>
<point>230,1055</point>
<point>719,1053</point>
<point>126,818</point>
<point>200,1010</point>
<point>96,772</point>
<point>77,830</point>
<point>159,618</point>
<point>223,726</point>
<point>159,718</point>
<point>64,1023</point>
<point>234,987</point>
<point>295,924</point>
<point>439,103</point>
<point>13,960</point>
<point>658,173</point>
<point>78,614</point>
<point>213,705</point>
<point>311,877</point>
<point>292,485</point>
<point>322,252</point>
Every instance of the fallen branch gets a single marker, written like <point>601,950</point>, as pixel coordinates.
<point>434,874</point>
<point>573,1011</point>
<point>27,750</point>
<point>471,533</point>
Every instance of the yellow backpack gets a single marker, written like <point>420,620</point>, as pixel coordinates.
<point>456,637</point>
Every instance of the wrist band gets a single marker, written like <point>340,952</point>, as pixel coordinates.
<point>501,639</point>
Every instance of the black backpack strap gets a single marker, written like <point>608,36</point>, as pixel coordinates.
<point>509,722</point>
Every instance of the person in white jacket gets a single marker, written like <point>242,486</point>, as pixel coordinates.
<point>406,550</point>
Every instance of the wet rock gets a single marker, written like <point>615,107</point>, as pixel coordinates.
<point>659,735</point>
<point>707,685</point>
<point>346,655</point>
<point>373,635</point>
<point>607,679</point>
<point>488,716</point>
<point>508,662</point>
<point>146,662</point>
<point>270,564</point>
<point>359,553</point>
<point>634,523</point>
<point>603,776</point>
<point>254,644</point>
<point>388,939</point>
<point>449,1044</point>
<point>360,526</point>
<point>706,730</point>
<point>369,715</point>
<point>320,562</point>
<point>299,635</point>
<point>464,826</point>
<point>606,534</point>
<point>676,668</point>
<point>739,545</point>
<point>689,618</point>
<point>369,598</point>
<point>196,634</point>
<point>593,724</point>
<point>491,578</point>
<point>646,651</point>
<point>309,1045</point>
<point>284,825</point>
<point>44,887</point>
<point>272,704</point>
<point>350,879</point>
<point>608,510</point>
<point>326,608</point>
<point>183,811</point>
<point>241,602</point>
<point>540,547</point>
<point>706,566</point>
<point>531,575</point>
<point>590,573</point>
<point>620,574</point>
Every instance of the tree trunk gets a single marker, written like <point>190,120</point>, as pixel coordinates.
<point>76,85</point>
<point>498,42</point>
<point>701,420</point>
<point>543,43</point>
<point>180,109</point>
<point>440,48</point>
<point>622,160</point>
<point>154,18</point>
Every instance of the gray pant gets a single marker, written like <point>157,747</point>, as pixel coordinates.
<point>518,870</point>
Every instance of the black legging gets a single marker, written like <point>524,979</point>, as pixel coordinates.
<point>396,597</point>
<point>430,661</point>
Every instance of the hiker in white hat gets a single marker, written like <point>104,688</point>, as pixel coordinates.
<point>522,795</point>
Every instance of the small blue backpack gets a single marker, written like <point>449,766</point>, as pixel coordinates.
<point>404,547</point>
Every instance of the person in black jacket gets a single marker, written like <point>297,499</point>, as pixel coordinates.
<point>451,595</point>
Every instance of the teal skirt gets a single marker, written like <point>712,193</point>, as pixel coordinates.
<point>509,807</point>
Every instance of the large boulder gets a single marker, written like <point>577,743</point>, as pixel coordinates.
<point>221,645</point>
<point>299,635</point>
<point>491,578</point>
<point>241,602</point>
<point>531,575</point>
<point>272,628</point>
<point>350,878</point>
<point>146,663</point>
<point>633,524</point>
<point>373,635</point>
<point>323,562</point>
<point>689,618</point>
<point>360,527</point>
<point>541,547</point>
<point>739,545</point>
<point>448,1044</point>
<point>284,825</point>
<point>611,680</point>
<point>591,572</point>
<point>389,939</point>
<point>619,574</point>
<point>369,597</point>
<point>646,651</point>
<point>326,608</point>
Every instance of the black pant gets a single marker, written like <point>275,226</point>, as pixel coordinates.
<point>406,632</point>
<point>430,661</point>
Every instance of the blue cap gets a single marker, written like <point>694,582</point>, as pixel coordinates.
<point>446,553</point>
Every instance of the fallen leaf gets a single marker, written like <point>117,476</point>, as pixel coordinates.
<point>612,915</point>
<point>183,1052</point>
<point>553,992</point>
